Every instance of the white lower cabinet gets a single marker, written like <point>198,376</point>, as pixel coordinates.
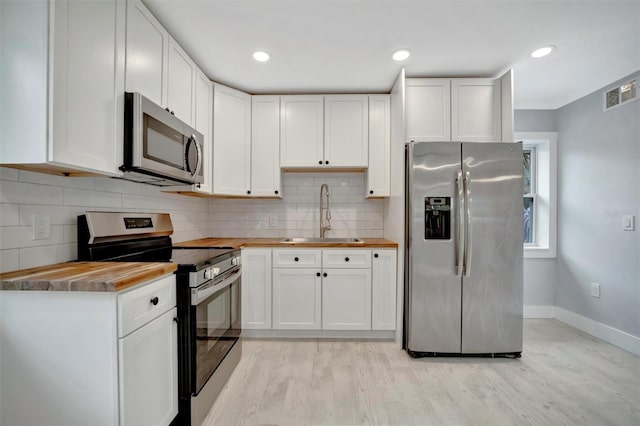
<point>256,288</point>
<point>346,299</point>
<point>297,299</point>
<point>329,289</point>
<point>148,373</point>
<point>94,358</point>
<point>383,289</point>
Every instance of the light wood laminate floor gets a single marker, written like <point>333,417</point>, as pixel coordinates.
<point>564,377</point>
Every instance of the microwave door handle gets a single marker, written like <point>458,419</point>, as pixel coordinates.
<point>193,140</point>
<point>199,155</point>
<point>198,295</point>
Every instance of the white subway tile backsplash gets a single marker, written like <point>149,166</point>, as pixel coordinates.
<point>8,174</point>
<point>55,180</point>
<point>10,214</point>
<point>9,260</point>
<point>93,199</point>
<point>297,214</point>
<point>12,237</point>
<point>24,194</point>
<point>116,185</point>
<point>29,193</point>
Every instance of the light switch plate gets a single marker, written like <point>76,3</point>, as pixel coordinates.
<point>595,290</point>
<point>629,223</point>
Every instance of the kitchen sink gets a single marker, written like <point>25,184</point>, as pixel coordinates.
<point>294,240</point>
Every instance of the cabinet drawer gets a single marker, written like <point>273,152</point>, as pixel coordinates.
<point>346,258</point>
<point>143,304</point>
<point>297,258</point>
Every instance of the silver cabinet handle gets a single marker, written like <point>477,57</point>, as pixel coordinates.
<point>467,230</point>
<point>459,229</point>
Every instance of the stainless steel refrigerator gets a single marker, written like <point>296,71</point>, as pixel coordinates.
<point>464,229</point>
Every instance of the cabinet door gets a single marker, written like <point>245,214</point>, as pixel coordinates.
<point>475,110</point>
<point>148,373</point>
<point>379,170</point>
<point>346,130</point>
<point>265,146</point>
<point>346,299</point>
<point>180,83</point>
<point>231,141</point>
<point>301,131</point>
<point>203,122</point>
<point>256,289</point>
<point>383,290</point>
<point>88,85</point>
<point>147,49</point>
<point>297,299</point>
<point>428,109</point>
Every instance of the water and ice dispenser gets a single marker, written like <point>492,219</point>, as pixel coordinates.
<point>437,218</point>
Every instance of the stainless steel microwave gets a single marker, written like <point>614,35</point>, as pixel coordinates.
<point>159,148</point>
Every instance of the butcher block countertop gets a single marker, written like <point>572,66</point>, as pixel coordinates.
<point>275,242</point>
<point>85,276</point>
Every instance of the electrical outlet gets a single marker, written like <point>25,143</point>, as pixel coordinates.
<point>41,227</point>
<point>595,290</point>
<point>273,220</point>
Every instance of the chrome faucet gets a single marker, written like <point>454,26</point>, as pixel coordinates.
<point>325,220</point>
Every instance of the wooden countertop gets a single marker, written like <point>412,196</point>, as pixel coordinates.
<point>275,242</point>
<point>85,276</point>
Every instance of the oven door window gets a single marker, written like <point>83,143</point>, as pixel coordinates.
<point>163,144</point>
<point>217,329</point>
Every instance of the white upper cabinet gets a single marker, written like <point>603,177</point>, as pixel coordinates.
<point>265,146</point>
<point>475,110</point>
<point>346,130</point>
<point>181,83</point>
<point>69,117</point>
<point>147,50</point>
<point>379,171</point>
<point>428,109</point>
<point>460,109</point>
<point>203,122</point>
<point>231,141</point>
<point>301,131</point>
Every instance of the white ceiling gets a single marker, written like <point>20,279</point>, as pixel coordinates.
<point>345,45</point>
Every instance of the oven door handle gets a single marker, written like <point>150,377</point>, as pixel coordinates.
<point>200,294</point>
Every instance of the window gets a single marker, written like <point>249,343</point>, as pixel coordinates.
<point>529,197</point>
<point>539,165</point>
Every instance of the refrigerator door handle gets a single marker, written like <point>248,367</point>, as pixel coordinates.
<point>459,229</point>
<point>466,267</point>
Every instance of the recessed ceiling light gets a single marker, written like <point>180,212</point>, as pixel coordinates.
<point>400,55</point>
<point>543,51</point>
<point>261,56</point>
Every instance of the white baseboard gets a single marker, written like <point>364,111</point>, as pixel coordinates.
<point>320,334</point>
<point>539,311</point>
<point>609,334</point>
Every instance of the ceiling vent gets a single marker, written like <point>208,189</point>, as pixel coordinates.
<point>620,95</point>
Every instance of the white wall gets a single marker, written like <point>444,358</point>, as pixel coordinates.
<point>298,213</point>
<point>599,181</point>
<point>23,194</point>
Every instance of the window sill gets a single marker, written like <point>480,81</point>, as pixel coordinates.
<point>535,252</point>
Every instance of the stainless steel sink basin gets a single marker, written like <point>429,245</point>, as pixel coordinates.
<point>295,240</point>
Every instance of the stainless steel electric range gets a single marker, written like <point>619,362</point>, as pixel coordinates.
<point>208,286</point>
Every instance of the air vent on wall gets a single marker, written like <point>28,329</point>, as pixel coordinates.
<point>620,95</point>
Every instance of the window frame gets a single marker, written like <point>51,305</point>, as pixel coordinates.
<point>533,164</point>
<point>545,218</point>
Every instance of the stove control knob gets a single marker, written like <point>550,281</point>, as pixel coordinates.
<point>208,274</point>
<point>235,261</point>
